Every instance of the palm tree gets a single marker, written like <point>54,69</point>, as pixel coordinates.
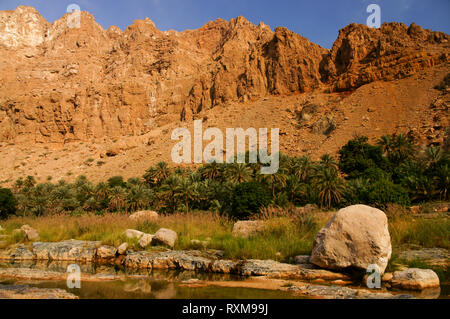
<point>329,186</point>
<point>158,174</point>
<point>134,181</point>
<point>400,150</point>
<point>139,197</point>
<point>101,191</point>
<point>433,154</point>
<point>443,181</point>
<point>386,143</point>
<point>303,168</point>
<point>117,201</point>
<point>293,188</point>
<point>328,161</point>
<point>211,171</point>
<point>274,180</point>
<point>238,173</point>
<point>169,191</point>
<point>187,191</point>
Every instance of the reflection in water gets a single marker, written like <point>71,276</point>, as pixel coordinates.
<point>160,284</point>
<point>143,284</point>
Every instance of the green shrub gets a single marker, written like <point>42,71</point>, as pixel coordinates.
<point>385,192</point>
<point>248,198</point>
<point>7,203</point>
<point>357,156</point>
<point>116,181</point>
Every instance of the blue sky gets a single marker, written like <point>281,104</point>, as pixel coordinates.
<point>318,20</point>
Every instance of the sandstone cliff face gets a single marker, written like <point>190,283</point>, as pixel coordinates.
<point>62,84</point>
<point>362,55</point>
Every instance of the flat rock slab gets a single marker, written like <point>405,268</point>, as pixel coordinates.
<point>433,256</point>
<point>194,260</point>
<point>26,292</point>
<point>415,279</point>
<point>338,292</point>
<point>71,250</point>
<point>185,260</point>
<point>38,274</point>
<point>17,252</point>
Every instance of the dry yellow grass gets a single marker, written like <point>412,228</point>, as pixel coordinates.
<point>286,234</point>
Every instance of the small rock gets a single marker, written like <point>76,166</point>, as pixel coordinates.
<point>166,237</point>
<point>144,215</point>
<point>31,233</point>
<point>302,259</point>
<point>247,228</point>
<point>106,252</point>
<point>415,279</point>
<point>145,240</point>
<point>122,249</point>
<point>132,233</point>
<point>387,277</point>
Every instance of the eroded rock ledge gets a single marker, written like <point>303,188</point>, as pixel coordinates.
<point>26,292</point>
<point>193,260</point>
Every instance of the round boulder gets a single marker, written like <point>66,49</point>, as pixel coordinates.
<point>357,236</point>
<point>165,236</point>
<point>247,228</point>
<point>106,252</point>
<point>133,233</point>
<point>144,215</point>
<point>31,233</point>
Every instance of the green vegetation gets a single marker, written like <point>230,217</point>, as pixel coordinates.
<point>392,171</point>
<point>288,232</point>
<point>7,203</point>
<point>247,198</point>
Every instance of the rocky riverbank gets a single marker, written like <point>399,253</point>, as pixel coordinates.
<point>355,239</point>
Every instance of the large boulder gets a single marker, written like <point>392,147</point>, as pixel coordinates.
<point>247,228</point>
<point>165,236</point>
<point>144,215</point>
<point>415,279</point>
<point>357,236</point>
<point>31,233</point>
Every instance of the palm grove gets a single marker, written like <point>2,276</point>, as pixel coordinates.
<point>393,170</point>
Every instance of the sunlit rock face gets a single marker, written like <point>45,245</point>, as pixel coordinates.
<point>63,83</point>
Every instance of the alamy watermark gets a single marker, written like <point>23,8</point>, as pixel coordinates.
<point>374,279</point>
<point>214,150</point>
<point>374,20</point>
<point>74,18</point>
<point>74,277</point>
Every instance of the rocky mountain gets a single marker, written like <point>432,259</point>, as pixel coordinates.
<point>63,84</point>
<point>119,90</point>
